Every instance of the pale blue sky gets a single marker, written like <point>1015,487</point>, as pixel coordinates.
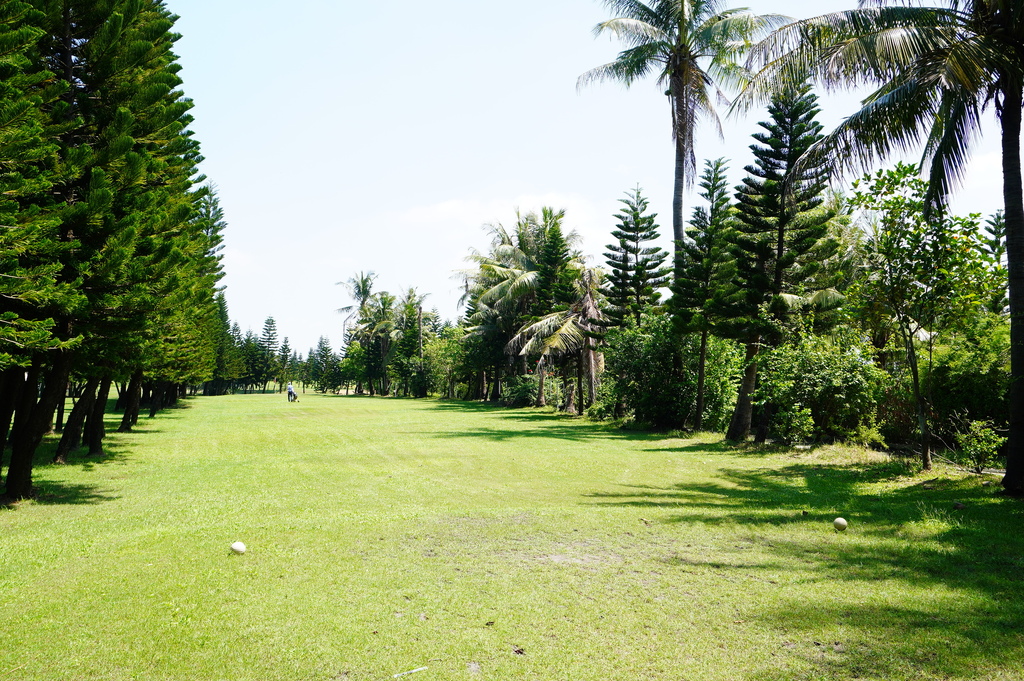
<point>380,136</point>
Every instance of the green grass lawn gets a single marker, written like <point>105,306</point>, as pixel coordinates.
<point>389,535</point>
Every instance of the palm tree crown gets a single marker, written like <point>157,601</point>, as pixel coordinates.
<point>694,47</point>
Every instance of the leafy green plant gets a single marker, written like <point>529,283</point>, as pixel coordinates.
<point>979,444</point>
<point>520,391</point>
<point>833,383</point>
<point>653,374</point>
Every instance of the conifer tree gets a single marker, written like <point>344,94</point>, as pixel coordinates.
<point>704,265</point>
<point>266,363</point>
<point>555,274</point>
<point>637,270</point>
<point>29,253</point>
<point>124,163</point>
<point>780,220</point>
<point>285,368</point>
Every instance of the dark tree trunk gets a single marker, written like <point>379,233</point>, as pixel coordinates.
<point>496,383</point>
<point>33,420</point>
<point>132,395</point>
<point>96,430</point>
<point>698,419</point>
<point>739,428</point>
<point>922,417</point>
<point>72,436</point>
<point>11,382</point>
<point>540,402</point>
<point>156,398</point>
<point>1013,206</point>
<point>59,425</point>
<point>764,423</point>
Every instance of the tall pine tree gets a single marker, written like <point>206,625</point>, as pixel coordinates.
<point>123,166</point>
<point>781,219</point>
<point>637,269</point>
<point>704,265</point>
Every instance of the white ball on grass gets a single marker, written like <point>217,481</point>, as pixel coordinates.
<point>238,547</point>
<point>840,523</point>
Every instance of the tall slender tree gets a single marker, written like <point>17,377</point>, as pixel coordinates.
<point>637,270</point>
<point>694,48</point>
<point>704,265</point>
<point>780,220</point>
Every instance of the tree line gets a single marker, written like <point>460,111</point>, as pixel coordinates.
<point>796,313</point>
<point>110,238</point>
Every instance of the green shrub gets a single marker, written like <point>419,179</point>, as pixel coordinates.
<point>520,391</point>
<point>969,376</point>
<point>652,374</point>
<point>833,381</point>
<point>978,444</point>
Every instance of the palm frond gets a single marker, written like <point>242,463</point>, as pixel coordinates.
<point>633,32</point>
<point>956,127</point>
<point>844,50</point>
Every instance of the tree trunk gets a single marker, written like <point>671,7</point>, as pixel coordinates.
<point>922,418</point>
<point>11,382</point>
<point>591,375</point>
<point>96,430</point>
<point>59,425</point>
<point>32,420</point>
<point>570,395</point>
<point>1013,206</point>
<point>496,384</point>
<point>764,422</point>
<point>133,394</point>
<point>72,436</point>
<point>698,419</point>
<point>682,157</point>
<point>739,428</point>
<point>579,381</point>
<point>156,398</point>
<point>540,402</point>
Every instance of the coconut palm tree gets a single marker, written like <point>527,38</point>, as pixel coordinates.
<point>569,332</point>
<point>694,47</point>
<point>936,70</point>
<point>360,288</point>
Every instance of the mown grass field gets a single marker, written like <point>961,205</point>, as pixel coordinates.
<point>386,536</point>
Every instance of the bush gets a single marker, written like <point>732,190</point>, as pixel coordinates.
<point>823,389</point>
<point>969,376</point>
<point>652,373</point>
<point>520,391</point>
<point>978,445</point>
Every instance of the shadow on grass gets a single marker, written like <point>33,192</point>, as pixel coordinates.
<point>531,424</point>
<point>115,451</point>
<point>915,534</point>
<point>58,493</point>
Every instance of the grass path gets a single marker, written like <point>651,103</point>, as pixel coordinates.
<point>389,535</point>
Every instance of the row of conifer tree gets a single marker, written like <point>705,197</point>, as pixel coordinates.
<point>109,241</point>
